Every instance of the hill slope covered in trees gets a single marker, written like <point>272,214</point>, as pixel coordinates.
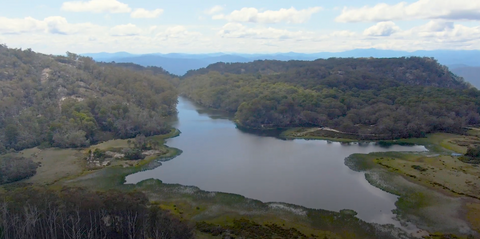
<point>386,98</point>
<point>71,101</point>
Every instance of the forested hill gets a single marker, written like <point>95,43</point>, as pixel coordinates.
<point>153,70</point>
<point>71,101</point>
<point>413,70</point>
<point>380,98</point>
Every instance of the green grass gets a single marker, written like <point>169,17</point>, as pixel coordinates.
<point>196,205</point>
<point>474,132</point>
<point>56,164</point>
<point>64,166</point>
<point>222,209</point>
<point>437,142</point>
<point>420,200</point>
<point>123,143</point>
<point>114,177</point>
<point>341,140</point>
<point>330,136</point>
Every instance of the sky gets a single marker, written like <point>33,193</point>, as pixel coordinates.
<point>247,26</point>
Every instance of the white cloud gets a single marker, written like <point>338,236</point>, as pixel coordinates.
<point>56,35</point>
<point>57,25</point>
<point>235,37</point>
<point>178,33</point>
<point>437,26</point>
<point>343,34</point>
<point>422,9</point>
<point>440,31</point>
<point>237,30</point>
<point>125,30</point>
<point>143,13</point>
<point>52,25</point>
<point>96,6</point>
<point>19,25</point>
<point>290,15</point>
<point>176,30</point>
<point>214,10</point>
<point>382,29</point>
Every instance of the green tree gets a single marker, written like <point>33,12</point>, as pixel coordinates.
<point>11,135</point>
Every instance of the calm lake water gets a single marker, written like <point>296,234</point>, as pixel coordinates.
<point>219,157</point>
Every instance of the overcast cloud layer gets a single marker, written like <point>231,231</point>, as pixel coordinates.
<point>249,27</point>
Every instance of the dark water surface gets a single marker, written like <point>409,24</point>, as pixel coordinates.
<point>219,157</point>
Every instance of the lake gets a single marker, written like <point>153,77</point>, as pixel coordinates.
<point>219,157</point>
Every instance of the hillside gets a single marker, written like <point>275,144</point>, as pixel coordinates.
<point>412,71</point>
<point>372,98</point>
<point>176,64</point>
<point>181,63</point>
<point>73,102</point>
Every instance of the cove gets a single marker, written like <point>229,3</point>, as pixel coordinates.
<point>219,157</point>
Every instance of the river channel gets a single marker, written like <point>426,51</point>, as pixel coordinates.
<point>219,157</point>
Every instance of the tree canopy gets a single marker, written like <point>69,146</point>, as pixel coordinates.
<point>79,213</point>
<point>390,98</point>
<point>71,101</point>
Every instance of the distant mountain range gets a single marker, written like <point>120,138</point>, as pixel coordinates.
<point>465,63</point>
<point>469,73</point>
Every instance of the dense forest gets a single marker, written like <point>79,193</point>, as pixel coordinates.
<point>71,101</point>
<point>78,213</point>
<point>372,98</point>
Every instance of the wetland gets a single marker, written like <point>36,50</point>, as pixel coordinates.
<point>214,174</point>
<point>219,157</point>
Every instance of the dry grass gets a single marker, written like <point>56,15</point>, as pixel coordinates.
<point>56,164</point>
<point>117,143</point>
<point>442,172</point>
<point>438,192</point>
<point>473,215</point>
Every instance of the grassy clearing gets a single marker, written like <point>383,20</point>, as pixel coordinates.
<point>432,188</point>
<point>61,165</point>
<point>114,176</point>
<point>434,142</point>
<point>123,143</point>
<point>473,214</point>
<point>55,164</point>
<point>318,134</point>
<point>439,142</point>
<point>474,132</point>
<point>442,172</point>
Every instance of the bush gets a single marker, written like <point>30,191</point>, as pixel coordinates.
<point>133,154</point>
<point>99,154</point>
<point>419,168</point>
<point>473,152</point>
<point>14,169</point>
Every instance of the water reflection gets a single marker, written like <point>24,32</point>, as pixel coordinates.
<point>219,157</point>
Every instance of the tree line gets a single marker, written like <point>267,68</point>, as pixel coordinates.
<point>394,98</point>
<point>78,213</point>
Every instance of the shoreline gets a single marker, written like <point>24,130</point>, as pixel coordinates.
<point>191,203</point>
<point>428,185</point>
<point>183,201</point>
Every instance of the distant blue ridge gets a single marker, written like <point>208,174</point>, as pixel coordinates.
<point>465,63</point>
